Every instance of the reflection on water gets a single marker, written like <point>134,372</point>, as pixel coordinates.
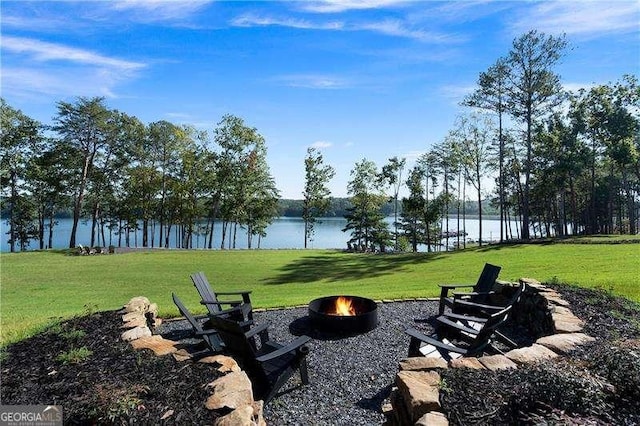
<point>283,233</point>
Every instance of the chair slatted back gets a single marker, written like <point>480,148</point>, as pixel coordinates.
<point>487,278</point>
<point>206,293</point>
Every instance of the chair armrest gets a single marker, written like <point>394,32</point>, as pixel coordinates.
<point>228,293</point>
<point>257,329</point>
<point>219,303</point>
<point>459,327</point>
<point>454,285</point>
<point>415,334</point>
<point>206,332</point>
<point>297,344</point>
<point>465,317</point>
<point>479,306</point>
<point>473,293</point>
<point>233,310</point>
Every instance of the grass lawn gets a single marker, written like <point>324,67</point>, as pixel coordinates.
<point>41,287</point>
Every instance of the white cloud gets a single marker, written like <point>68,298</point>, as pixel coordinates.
<point>312,81</point>
<point>35,82</point>
<point>321,145</point>
<point>336,6</point>
<point>390,27</point>
<point>250,20</point>
<point>456,93</point>
<point>397,28</point>
<point>583,18</point>
<point>158,10</point>
<point>38,67</point>
<point>43,52</point>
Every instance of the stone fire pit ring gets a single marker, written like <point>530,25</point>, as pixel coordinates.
<point>363,320</point>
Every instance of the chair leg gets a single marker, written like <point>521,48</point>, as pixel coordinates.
<point>304,374</point>
<point>443,295</point>
<point>414,347</point>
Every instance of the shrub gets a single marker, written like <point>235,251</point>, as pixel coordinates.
<point>74,356</point>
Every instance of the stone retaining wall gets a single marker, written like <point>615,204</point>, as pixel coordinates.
<point>231,394</point>
<point>415,399</point>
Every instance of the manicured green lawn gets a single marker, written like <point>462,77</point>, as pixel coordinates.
<point>40,287</point>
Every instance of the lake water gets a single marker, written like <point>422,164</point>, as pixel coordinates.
<point>283,233</point>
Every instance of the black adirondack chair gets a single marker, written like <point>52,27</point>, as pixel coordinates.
<point>480,291</point>
<point>457,335</point>
<point>489,305</point>
<point>268,363</point>
<point>204,330</point>
<point>209,335</point>
<point>214,305</point>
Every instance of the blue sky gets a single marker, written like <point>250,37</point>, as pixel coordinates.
<point>358,79</point>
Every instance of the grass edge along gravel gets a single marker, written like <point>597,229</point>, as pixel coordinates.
<point>41,288</point>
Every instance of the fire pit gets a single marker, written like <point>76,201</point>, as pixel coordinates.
<point>344,314</point>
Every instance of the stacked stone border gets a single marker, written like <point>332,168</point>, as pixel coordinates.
<point>231,394</point>
<point>415,398</point>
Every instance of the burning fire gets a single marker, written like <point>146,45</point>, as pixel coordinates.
<point>343,307</point>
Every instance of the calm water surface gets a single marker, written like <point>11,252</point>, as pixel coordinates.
<point>283,233</point>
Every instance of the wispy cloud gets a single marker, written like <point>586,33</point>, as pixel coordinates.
<point>49,68</point>
<point>158,10</point>
<point>456,93</point>
<point>397,28</point>
<point>584,18</point>
<point>251,20</point>
<point>313,81</point>
<point>44,51</point>
<point>337,6</point>
<point>321,145</point>
<point>389,27</point>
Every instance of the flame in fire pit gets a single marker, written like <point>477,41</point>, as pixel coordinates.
<point>343,307</point>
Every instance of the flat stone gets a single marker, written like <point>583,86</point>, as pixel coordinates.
<point>241,416</point>
<point>497,362</point>
<point>561,310</point>
<point>566,317</point>
<point>182,355</point>
<point>157,344</point>
<point>567,327</point>
<point>227,364</point>
<point>433,418</point>
<point>556,300</point>
<point>531,353</point>
<point>135,333</point>
<point>564,342</point>
<point>137,304</point>
<point>131,316</point>
<point>230,391</point>
<point>531,281</point>
<point>422,363</point>
<point>420,392</point>
<point>139,321</point>
<point>152,310</point>
<point>465,362</point>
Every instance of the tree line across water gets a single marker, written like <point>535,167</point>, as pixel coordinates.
<point>563,163</point>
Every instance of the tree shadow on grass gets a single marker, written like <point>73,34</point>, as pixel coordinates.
<point>337,266</point>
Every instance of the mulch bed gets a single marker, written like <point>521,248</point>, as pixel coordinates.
<point>350,377</point>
